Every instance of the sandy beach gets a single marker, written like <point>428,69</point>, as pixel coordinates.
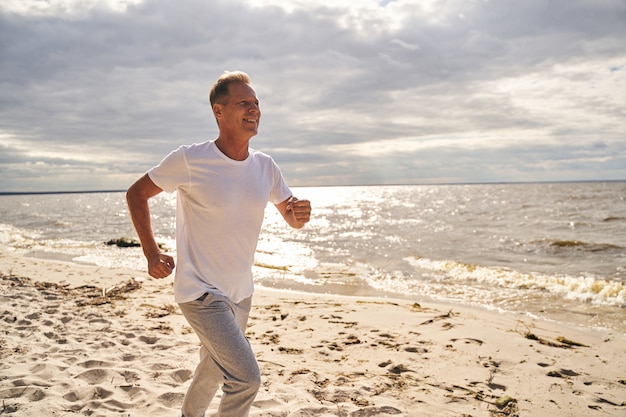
<point>84,340</point>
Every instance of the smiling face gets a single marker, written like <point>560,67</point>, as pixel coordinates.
<point>239,114</point>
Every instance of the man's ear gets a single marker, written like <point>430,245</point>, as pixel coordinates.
<point>217,110</point>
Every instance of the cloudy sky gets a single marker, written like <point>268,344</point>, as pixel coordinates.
<point>95,92</point>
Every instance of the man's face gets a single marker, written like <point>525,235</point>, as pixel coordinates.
<point>240,113</point>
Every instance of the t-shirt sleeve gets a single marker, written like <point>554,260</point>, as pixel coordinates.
<point>280,191</point>
<point>172,172</point>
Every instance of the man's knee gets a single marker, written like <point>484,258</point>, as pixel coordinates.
<point>254,379</point>
<point>251,383</point>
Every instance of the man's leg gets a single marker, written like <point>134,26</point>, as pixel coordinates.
<point>206,380</point>
<point>226,357</point>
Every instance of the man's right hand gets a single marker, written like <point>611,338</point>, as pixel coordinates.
<point>160,265</point>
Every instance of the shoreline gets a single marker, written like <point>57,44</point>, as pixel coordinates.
<point>558,311</point>
<point>103,342</point>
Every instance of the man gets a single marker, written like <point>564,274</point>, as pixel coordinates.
<point>222,189</point>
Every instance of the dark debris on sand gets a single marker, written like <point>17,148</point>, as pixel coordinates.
<point>85,294</point>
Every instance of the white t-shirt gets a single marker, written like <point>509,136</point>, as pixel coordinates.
<point>219,213</point>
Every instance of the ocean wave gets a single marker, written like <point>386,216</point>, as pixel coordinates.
<point>582,288</point>
<point>17,238</point>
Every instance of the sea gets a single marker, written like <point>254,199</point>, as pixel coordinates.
<point>551,251</point>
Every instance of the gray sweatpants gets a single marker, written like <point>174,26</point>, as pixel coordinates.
<point>226,357</point>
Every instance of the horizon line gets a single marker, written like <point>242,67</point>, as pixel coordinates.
<point>8,193</point>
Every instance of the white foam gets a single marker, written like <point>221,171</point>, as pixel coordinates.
<point>582,288</point>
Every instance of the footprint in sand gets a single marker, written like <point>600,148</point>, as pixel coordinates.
<point>181,375</point>
<point>149,340</point>
<point>95,364</point>
<point>46,371</point>
<point>101,393</point>
<point>134,393</point>
<point>86,393</point>
<point>375,411</point>
<point>128,357</point>
<point>95,376</point>
<point>30,393</point>
<point>171,399</point>
<point>99,320</point>
<point>130,376</point>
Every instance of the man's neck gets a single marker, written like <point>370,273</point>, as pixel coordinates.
<point>237,151</point>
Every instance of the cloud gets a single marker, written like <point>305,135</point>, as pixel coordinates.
<point>381,92</point>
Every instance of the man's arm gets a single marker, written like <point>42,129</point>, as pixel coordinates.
<point>160,265</point>
<point>295,212</point>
